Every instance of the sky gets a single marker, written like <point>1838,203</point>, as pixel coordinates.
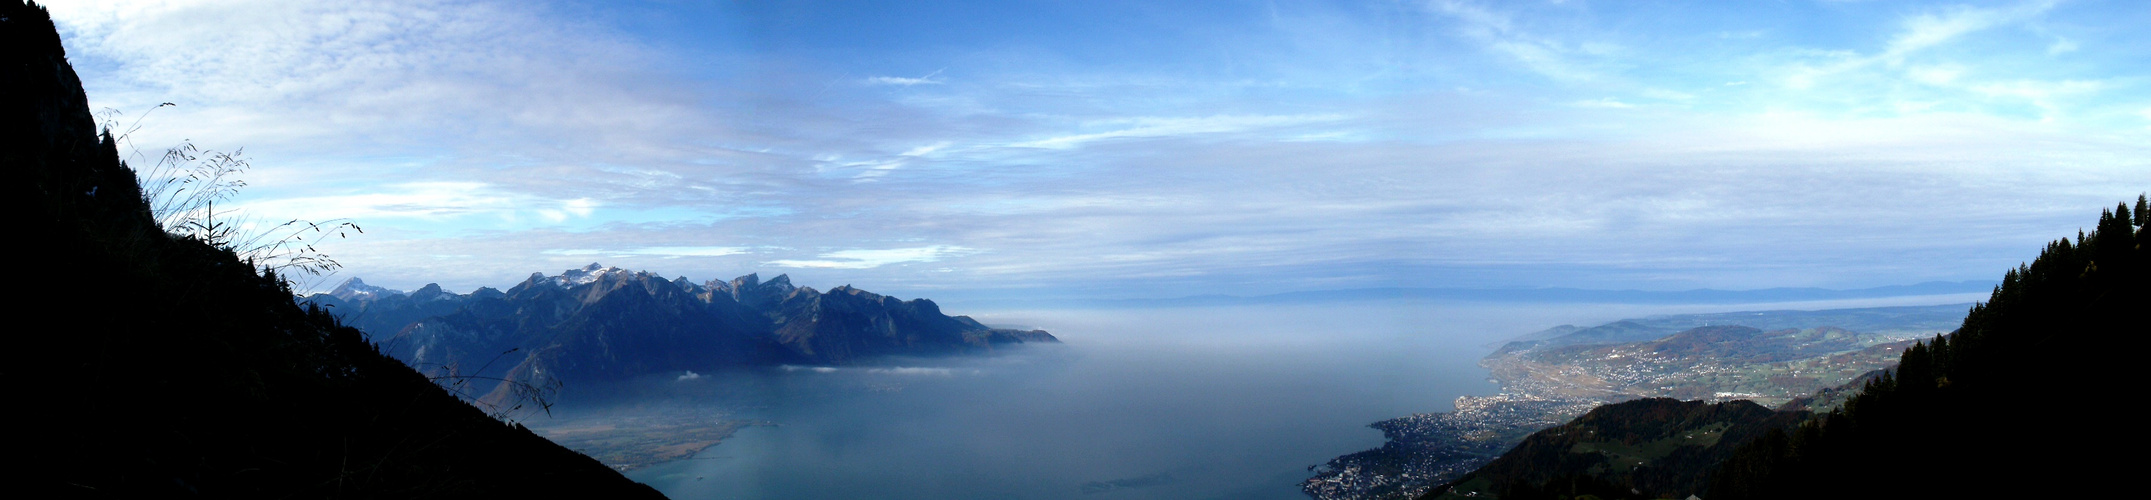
<point>1149,149</point>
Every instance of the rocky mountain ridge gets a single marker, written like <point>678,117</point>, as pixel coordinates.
<point>599,323</point>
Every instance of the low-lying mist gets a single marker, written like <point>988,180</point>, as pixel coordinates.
<point>1182,403</point>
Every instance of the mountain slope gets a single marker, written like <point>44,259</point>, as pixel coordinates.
<point>217,386</point>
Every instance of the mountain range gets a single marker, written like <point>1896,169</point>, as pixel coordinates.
<point>1902,322</point>
<point>604,324</point>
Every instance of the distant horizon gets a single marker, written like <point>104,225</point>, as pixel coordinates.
<point>1003,297</point>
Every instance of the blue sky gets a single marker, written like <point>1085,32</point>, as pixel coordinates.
<point>1133,149</point>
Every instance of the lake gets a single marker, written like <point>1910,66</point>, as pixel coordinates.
<point>1181,403</point>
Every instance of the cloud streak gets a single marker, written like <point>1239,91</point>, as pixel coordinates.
<point>1922,32</point>
<point>869,259</point>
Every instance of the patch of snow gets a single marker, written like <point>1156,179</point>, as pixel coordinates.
<point>587,275</point>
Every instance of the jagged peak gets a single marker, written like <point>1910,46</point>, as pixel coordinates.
<point>847,289</point>
<point>356,288</point>
<point>432,291</point>
<point>586,275</point>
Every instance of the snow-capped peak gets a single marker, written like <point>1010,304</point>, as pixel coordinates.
<point>354,288</point>
<point>588,274</point>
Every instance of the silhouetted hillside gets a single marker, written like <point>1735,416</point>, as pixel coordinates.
<point>151,366</point>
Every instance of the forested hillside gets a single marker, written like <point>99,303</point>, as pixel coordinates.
<point>146,365</point>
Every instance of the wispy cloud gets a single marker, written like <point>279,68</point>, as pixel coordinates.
<point>2042,94</point>
<point>869,259</point>
<point>434,201</point>
<point>928,79</point>
<point>1498,32</point>
<point>655,251</point>
<point>1930,29</point>
<point>1921,32</point>
<point>1175,126</point>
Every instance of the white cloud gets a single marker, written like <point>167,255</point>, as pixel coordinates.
<point>869,259</point>
<point>655,251</point>
<point>422,200</point>
<point>902,81</point>
<point>1498,32</point>
<point>912,370</point>
<point>927,149</point>
<point>1928,30</point>
<point>905,81</point>
<point>1919,33</point>
<point>380,77</point>
<point>1164,127</point>
<point>581,207</point>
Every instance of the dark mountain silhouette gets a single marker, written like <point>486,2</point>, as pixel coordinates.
<point>602,324</point>
<point>154,366</point>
